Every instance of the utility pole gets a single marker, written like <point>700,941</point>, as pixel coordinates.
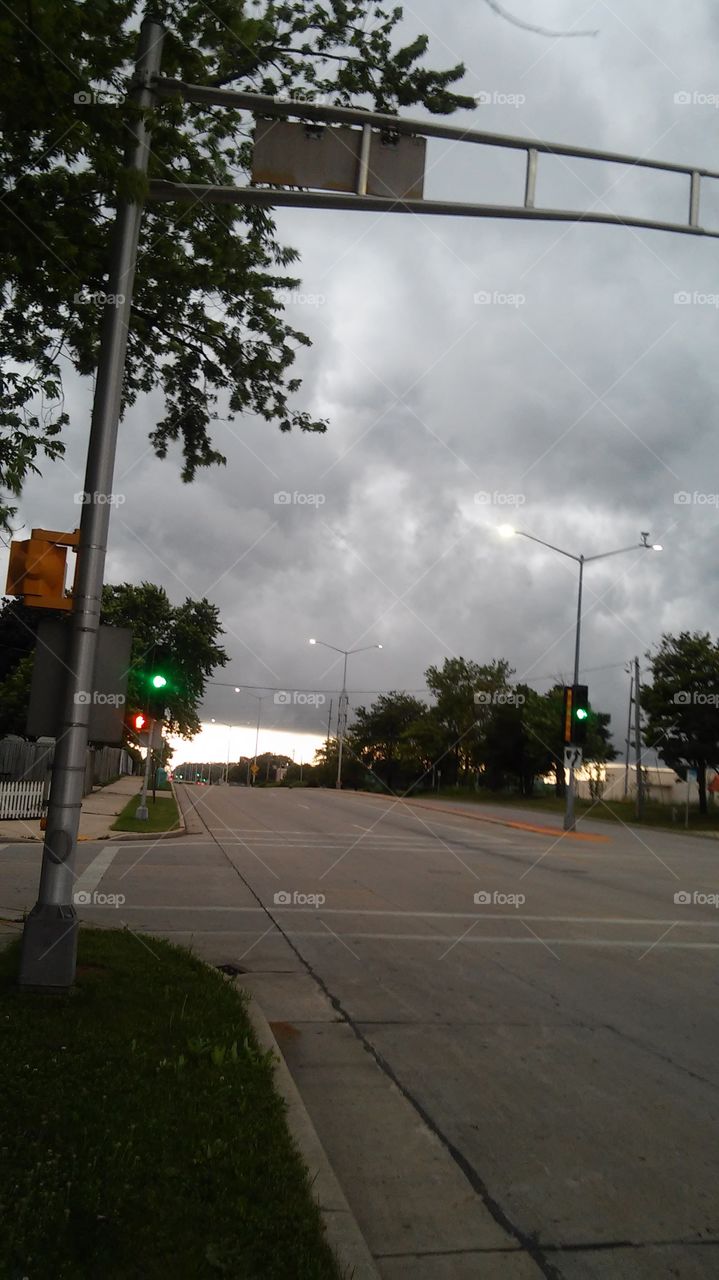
<point>628,739</point>
<point>341,725</point>
<point>49,942</point>
<point>638,740</point>
<point>569,819</point>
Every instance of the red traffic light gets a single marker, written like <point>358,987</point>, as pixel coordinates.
<point>138,722</point>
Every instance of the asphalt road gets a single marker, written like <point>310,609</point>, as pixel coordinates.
<point>536,1087</point>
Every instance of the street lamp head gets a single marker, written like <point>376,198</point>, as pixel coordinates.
<point>237,689</point>
<point>506,531</point>
<point>313,641</point>
<point>379,646</point>
<point>657,546</point>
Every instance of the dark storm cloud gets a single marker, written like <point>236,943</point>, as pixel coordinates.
<point>549,367</point>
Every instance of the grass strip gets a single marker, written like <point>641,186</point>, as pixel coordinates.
<point>163,815</point>
<point>141,1132</point>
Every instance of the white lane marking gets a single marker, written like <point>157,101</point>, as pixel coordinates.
<point>440,915</point>
<point>437,938</point>
<point>303,806</point>
<point>92,875</point>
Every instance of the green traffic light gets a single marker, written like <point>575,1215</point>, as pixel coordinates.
<point>581,713</point>
<point>159,682</point>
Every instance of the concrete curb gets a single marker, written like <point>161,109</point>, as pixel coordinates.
<point>343,1234</point>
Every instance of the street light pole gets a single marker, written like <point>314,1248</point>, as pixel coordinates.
<point>581,560</point>
<point>342,710</point>
<point>49,942</point>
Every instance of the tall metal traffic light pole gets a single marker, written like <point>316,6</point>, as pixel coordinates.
<point>49,940</point>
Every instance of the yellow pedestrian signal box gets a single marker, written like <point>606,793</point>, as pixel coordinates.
<point>37,569</point>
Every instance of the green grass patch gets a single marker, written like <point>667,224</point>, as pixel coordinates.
<point>162,811</point>
<point>142,1136</point>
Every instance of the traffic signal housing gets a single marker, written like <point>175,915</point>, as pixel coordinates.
<point>575,715</point>
<point>580,714</point>
<point>37,567</point>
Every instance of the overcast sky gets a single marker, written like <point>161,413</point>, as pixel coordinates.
<point>581,406</point>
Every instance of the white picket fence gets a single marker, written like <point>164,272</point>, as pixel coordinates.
<point>21,799</point>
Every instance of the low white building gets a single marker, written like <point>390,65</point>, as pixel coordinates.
<point>612,781</point>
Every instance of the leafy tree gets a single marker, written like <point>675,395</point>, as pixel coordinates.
<point>681,705</point>
<point>379,736</point>
<point>207,319</point>
<point>464,719</point>
<point>180,641</point>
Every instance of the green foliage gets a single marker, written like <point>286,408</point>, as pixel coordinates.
<point>207,321</point>
<point>681,705</point>
<point>481,731</point>
<point>182,641</point>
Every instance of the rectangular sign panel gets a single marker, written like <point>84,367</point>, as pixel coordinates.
<point>327,158</point>
<point>107,697</point>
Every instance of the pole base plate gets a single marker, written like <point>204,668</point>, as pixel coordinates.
<point>48,952</point>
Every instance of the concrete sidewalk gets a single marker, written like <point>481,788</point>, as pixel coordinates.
<point>99,810</point>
